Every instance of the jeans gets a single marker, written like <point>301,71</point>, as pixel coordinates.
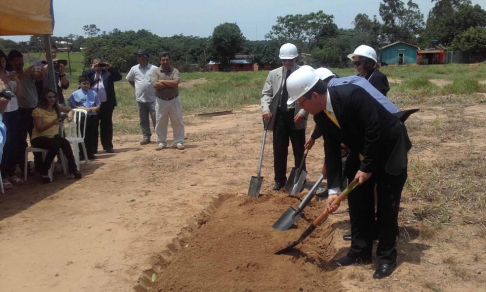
<point>9,157</point>
<point>146,110</point>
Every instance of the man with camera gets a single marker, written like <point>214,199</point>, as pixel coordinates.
<point>102,78</point>
<point>61,79</point>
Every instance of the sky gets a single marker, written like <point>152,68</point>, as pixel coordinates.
<point>199,17</point>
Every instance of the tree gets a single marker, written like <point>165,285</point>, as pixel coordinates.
<point>472,40</point>
<point>400,23</point>
<point>227,40</point>
<point>263,52</point>
<point>91,30</point>
<point>305,31</point>
<point>369,30</point>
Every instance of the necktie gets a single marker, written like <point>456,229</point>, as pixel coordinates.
<point>332,118</point>
<point>285,94</point>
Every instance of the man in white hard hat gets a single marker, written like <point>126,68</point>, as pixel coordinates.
<point>365,61</point>
<point>350,115</point>
<point>288,120</point>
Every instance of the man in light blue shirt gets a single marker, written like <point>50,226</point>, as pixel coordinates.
<point>87,99</point>
<point>139,78</point>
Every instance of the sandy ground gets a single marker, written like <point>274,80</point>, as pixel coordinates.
<point>140,214</point>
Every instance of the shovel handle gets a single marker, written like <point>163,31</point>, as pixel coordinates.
<point>338,200</point>
<point>266,123</point>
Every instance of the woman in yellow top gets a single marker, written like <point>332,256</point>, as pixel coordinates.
<point>45,135</point>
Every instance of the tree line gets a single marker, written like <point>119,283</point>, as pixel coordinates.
<point>456,24</point>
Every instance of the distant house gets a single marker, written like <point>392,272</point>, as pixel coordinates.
<point>240,63</point>
<point>399,53</point>
<point>436,54</point>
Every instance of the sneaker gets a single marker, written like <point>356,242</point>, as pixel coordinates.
<point>161,146</point>
<point>180,146</point>
<point>145,141</point>
<point>6,184</point>
<point>15,180</point>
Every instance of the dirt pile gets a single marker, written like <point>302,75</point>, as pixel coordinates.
<point>234,251</point>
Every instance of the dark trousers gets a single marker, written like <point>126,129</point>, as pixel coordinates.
<point>26,125</point>
<point>362,215</point>
<point>91,136</point>
<point>283,131</point>
<point>53,145</point>
<point>9,157</point>
<point>105,118</point>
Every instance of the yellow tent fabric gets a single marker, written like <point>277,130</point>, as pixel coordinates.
<point>26,17</point>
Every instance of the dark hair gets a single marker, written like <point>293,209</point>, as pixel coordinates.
<point>83,78</point>
<point>14,54</point>
<point>320,87</point>
<point>164,54</point>
<point>44,102</point>
<point>368,64</point>
<point>7,65</point>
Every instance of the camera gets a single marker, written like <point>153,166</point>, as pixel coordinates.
<point>57,62</point>
<point>7,94</point>
<point>63,117</point>
<point>101,64</point>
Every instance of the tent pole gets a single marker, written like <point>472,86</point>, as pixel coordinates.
<point>50,65</point>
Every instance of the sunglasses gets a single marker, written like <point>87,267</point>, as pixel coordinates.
<point>287,60</point>
<point>357,63</point>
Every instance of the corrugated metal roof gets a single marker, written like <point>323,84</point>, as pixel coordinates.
<point>239,62</point>
<point>399,42</point>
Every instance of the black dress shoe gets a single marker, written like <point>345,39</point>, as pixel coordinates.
<point>347,261</point>
<point>347,237</point>
<point>278,185</point>
<point>384,270</point>
<point>91,156</point>
<point>110,151</point>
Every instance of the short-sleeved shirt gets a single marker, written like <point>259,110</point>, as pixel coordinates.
<point>171,74</point>
<point>47,117</point>
<point>142,77</point>
<point>81,98</point>
<point>29,92</point>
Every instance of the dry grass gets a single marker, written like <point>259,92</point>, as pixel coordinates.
<point>357,274</point>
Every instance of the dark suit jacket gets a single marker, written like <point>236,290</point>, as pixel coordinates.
<point>366,128</point>
<point>379,81</point>
<point>109,77</point>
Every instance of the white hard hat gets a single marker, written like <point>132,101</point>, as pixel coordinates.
<point>364,51</point>
<point>307,67</point>
<point>288,51</point>
<point>324,73</point>
<point>300,82</point>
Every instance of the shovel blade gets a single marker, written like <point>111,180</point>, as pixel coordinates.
<point>287,219</point>
<point>291,180</point>
<point>300,183</point>
<point>255,186</point>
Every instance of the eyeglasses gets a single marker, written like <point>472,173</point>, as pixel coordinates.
<point>287,60</point>
<point>51,96</point>
<point>356,63</point>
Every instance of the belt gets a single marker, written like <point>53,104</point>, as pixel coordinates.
<point>168,98</point>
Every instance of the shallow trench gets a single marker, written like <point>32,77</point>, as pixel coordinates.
<point>230,247</point>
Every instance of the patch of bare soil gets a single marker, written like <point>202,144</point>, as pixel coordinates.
<point>393,80</point>
<point>440,82</point>
<point>193,82</point>
<point>140,212</point>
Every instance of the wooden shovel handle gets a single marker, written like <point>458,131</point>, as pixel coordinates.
<point>338,200</point>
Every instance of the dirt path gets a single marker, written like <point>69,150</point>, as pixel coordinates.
<point>102,232</point>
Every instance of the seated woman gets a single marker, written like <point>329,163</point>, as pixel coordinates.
<point>45,135</point>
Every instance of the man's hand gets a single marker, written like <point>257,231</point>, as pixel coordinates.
<point>298,118</point>
<point>362,176</point>
<point>324,171</point>
<point>330,207</point>
<point>62,68</point>
<point>267,115</point>
<point>308,145</point>
<point>108,66</point>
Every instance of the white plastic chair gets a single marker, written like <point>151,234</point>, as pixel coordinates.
<point>44,153</point>
<point>1,183</point>
<point>74,135</point>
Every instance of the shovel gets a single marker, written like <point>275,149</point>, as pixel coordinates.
<point>296,174</point>
<point>256,181</point>
<point>319,219</point>
<point>291,215</point>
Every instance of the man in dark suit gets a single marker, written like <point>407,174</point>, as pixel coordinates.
<point>102,78</point>
<point>378,140</point>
